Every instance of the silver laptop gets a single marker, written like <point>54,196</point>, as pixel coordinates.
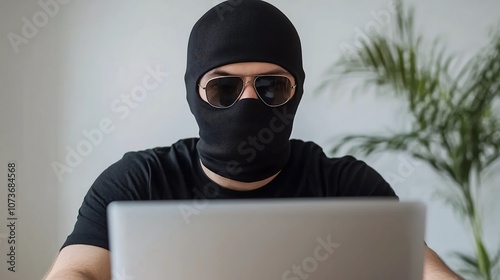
<point>293,239</point>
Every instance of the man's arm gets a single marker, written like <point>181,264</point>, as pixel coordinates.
<point>81,262</point>
<point>435,268</point>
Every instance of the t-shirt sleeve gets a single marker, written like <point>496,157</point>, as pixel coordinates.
<point>124,180</point>
<point>356,178</point>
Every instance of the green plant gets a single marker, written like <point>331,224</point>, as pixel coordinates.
<point>454,115</point>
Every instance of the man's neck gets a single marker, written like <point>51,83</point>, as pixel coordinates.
<point>233,184</point>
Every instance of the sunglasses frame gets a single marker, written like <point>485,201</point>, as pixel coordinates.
<point>245,83</point>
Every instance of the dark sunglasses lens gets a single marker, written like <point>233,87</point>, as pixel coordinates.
<point>223,92</point>
<point>274,90</point>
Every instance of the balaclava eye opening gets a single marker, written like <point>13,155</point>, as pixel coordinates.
<point>249,141</point>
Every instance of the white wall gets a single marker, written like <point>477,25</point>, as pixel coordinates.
<point>90,54</point>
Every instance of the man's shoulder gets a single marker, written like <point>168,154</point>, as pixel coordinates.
<point>150,170</point>
<point>147,162</point>
<point>300,147</point>
<point>342,176</point>
<point>304,150</point>
<point>181,149</point>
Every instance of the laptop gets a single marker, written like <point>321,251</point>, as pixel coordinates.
<point>287,239</point>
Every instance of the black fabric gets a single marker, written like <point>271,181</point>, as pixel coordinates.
<point>174,173</point>
<point>251,31</point>
<point>247,142</point>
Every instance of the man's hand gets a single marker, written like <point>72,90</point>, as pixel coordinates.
<point>84,262</point>
<point>435,268</point>
<point>81,262</point>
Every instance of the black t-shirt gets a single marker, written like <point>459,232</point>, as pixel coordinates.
<point>174,173</point>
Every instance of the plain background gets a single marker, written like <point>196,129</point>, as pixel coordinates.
<point>88,55</point>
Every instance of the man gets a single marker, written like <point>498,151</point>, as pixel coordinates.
<point>244,82</point>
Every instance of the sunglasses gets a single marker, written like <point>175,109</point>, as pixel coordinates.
<point>224,91</point>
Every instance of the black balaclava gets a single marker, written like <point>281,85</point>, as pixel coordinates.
<point>249,141</point>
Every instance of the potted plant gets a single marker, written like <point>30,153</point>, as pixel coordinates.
<point>454,116</point>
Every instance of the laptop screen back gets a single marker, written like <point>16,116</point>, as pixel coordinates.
<point>267,239</point>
